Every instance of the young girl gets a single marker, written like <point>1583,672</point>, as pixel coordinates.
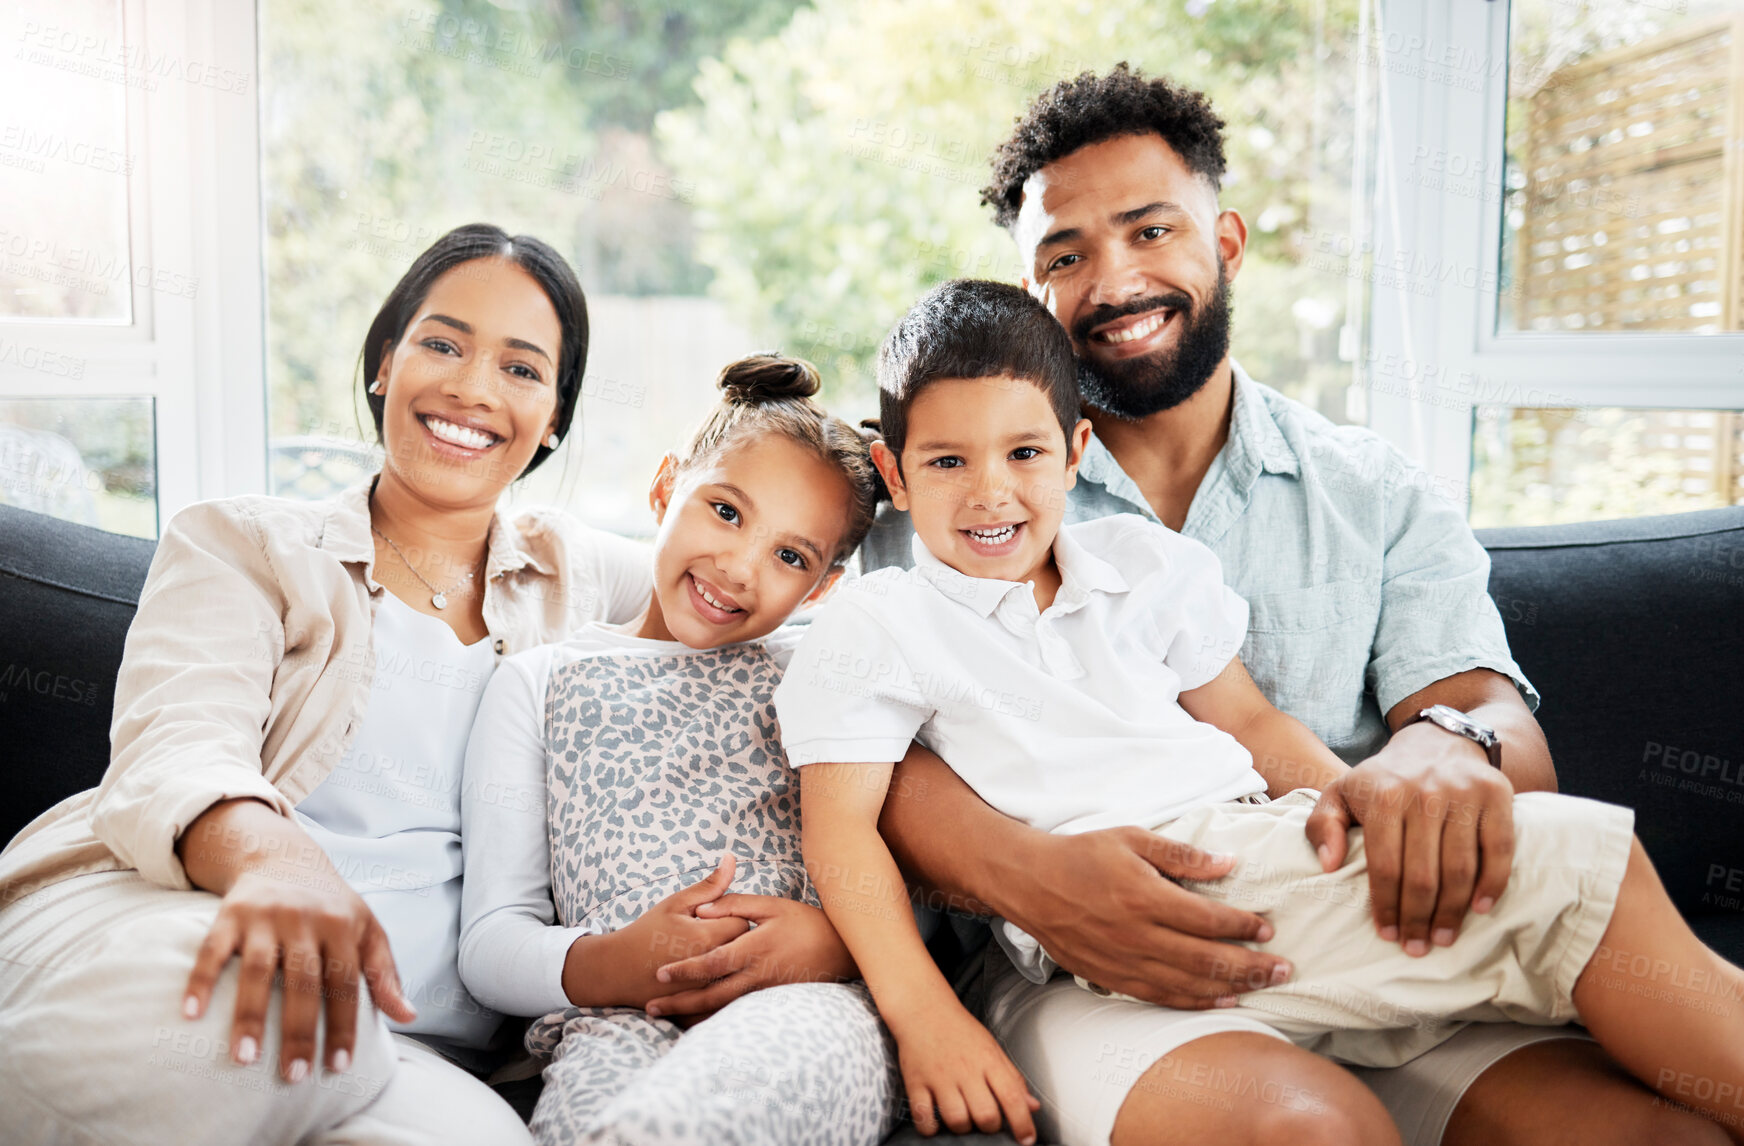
<point>607,774</point>
<point>1084,676</point>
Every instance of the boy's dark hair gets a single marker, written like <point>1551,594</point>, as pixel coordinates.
<point>463,245</point>
<point>1092,109</point>
<point>972,328</point>
<point>771,393</point>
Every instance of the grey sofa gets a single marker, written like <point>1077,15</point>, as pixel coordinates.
<point>1633,631</point>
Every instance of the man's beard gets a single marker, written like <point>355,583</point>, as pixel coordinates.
<point>1135,388</point>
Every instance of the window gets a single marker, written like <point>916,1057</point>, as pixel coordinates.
<point>730,177</point>
<point>1624,195</point>
<point>1568,178</point>
<point>129,384</point>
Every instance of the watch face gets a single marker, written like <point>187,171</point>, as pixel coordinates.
<point>1455,720</point>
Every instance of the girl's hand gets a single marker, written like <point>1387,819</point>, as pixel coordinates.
<point>296,913</point>
<point>955,1072</point>
<point>792,942</point>
<point>667,931</point>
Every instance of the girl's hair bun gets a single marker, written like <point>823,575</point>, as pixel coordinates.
<point>768,377</point>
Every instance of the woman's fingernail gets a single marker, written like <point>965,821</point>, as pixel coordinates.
<point>1482,904</point>
<point>1416,947</point>
<point>663,975</point>
<point>652,1010</point>
<point>1264,934</point>
<point>1325,854</point>
<point>1443,937</point>
<point>190,1007</point>
<point>1280,974</point>
<point>246,1050</point>
<point>341,1060</point>
<point>1390,933</point>
<point>299,1069</point>
<point>1227,1001</point>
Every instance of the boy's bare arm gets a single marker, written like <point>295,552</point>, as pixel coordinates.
<point>863,893</point>
<point>1283,750</point>
<point>949,1062</point>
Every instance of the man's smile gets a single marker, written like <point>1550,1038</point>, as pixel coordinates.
<point>1127,329</point>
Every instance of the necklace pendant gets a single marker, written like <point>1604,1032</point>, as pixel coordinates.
<point>440,601</point>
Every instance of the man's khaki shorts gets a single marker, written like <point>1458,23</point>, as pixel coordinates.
<point>1353,996</point>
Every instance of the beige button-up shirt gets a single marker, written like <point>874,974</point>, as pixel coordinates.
<point>248,666</point>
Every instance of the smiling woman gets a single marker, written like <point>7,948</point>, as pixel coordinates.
<point>290,719</point>
<point>467,393</point>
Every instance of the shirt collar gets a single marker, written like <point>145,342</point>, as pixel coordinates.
<point>1255,445</point>
<point>1081,573</point>
<point>346,534</point>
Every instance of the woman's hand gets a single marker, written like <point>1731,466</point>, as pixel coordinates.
<point>792,942</point>
<point>956,1073</point>
<point>285,908</point>
<point>618,969</point>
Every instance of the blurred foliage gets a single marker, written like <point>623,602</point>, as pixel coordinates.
<point>817,167</point>
<point>1545,466</point>
<point>387,122</point>
<point>837,164</point>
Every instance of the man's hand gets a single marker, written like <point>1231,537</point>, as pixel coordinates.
<point>792,942</point>
<point>1105,906</point>
<point>1438,828</point>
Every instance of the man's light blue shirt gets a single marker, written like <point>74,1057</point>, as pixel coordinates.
<point>1364,583</point>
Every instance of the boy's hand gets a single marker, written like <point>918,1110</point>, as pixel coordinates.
<point>792,942</point>
<point>669,930</point>
<point>956,1073</point>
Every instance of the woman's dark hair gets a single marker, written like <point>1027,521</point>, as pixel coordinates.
<point>771,393</point>
<point>463,245</point>
<point>972,328</point>
<point>1091,109</point>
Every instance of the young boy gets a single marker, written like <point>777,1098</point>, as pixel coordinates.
<point>1084,677</point>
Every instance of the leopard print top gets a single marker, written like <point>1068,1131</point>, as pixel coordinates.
<point>657,765</point>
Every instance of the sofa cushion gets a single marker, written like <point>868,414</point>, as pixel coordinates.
<point>67,595</point>
<point>1633,631</point>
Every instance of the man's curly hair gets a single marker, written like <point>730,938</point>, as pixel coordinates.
<point>1091,109</point>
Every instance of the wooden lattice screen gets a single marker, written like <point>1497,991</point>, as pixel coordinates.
<point>1634,164</point>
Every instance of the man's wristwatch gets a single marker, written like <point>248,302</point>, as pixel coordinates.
<point>1460,724</point>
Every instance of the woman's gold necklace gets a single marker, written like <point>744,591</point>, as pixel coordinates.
<point>438,597</point>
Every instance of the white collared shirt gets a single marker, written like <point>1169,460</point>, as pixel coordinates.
<point>1066,719</point>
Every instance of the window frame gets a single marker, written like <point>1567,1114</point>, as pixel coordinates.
<point>193,211</point>
<point>1453,330</point>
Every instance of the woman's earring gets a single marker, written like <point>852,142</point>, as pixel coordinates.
<point>551,441</point>
<point>376,386</point>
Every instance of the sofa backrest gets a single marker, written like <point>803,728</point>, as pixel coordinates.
<point>67,595</point>
<point>1632,630</point>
